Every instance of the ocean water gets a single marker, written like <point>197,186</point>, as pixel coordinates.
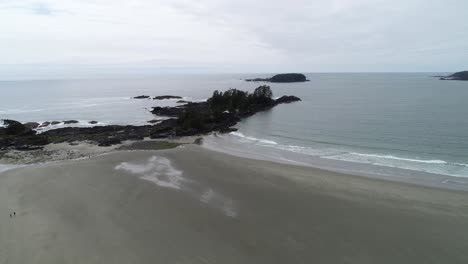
<point>393,120</point>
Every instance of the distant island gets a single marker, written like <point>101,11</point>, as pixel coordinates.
<point>458,76</point>
<point>282,78</point>
<point>161,97</point>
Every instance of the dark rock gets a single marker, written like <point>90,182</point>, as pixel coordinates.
<point>167,111</point>
<point>179,110</point>
<point>141,97</point>
<point>458,76</point>
<point>183,102</point>
<point>68,122</point>
<point>31,125</point>
<point>222,111</point>
<point>55,122</point>
<point>165,129</point>
<point>18,136</point>
<point>282,78</point>
<point>92,122</point>
<point>287,99</point>
<point>219,113</point>
<point>163,97</point>
<point>15,128</point>
<point>288,77</point>
<point>198,141</point>
<point>228,130</point>
<point>106,142</point>
<point>45,124</point>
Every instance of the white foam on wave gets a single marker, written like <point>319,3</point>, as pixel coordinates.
<point>22,111</point>
<point>81,123</point>
<point>398,158</point>
<point>264,141</point>
<point>437,166</point>
<point>158,170</point>
<point>7,167</point>
<point>430,166</point>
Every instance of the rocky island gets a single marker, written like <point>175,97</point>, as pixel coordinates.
<point>282,78</point>
<point>458,76</point>
<point>218,114</point>
<point>165,97</point>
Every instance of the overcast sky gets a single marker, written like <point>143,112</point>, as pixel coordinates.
<point>234,35</point>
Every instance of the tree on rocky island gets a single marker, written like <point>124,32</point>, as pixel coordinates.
<point>263,95</point>
<point>234,100</point>
<point>225,108</point>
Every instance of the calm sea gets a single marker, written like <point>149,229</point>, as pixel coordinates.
<point>395,120</point>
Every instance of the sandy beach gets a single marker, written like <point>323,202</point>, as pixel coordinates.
<point>192,205</point>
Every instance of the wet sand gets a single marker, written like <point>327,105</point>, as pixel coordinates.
<point>191,205</point>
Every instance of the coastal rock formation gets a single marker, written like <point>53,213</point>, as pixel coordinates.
<point>282,78</point>
<point>55,122</point>
<point>218,114</point>
<point>286,99</point>
<point>222,111</point>
<point>45,124</point>
<point>107,142</point>
<point>178,110</point>
<point>31,125</point>
<point>141,97</point>
<point>164,97</point>
<point>458,76</point>
<point>92,122</point>
<point>18,136</point>
<point>68,122</point>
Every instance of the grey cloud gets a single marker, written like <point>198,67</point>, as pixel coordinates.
<point>303,35</point>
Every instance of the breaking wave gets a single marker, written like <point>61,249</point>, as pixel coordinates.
<point>344,153</point>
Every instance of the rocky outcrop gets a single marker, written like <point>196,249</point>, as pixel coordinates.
<point>218,114</point>
<point>55,122</point>
<point>109,141</point>
<point>141,97</point>
<point>285,99</point>
<point>282,78</point>
<point>45,124</point>
<point>221,111</point>
<point>288,77</point>
<point>18,136</point>
<point>178,110</point>
<point>69,122</point>
<point>92,122</point>
<point>458,76</point>
<point>164,97</point>
<point>31,125</point>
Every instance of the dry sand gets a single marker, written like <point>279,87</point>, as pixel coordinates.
<point>191,205</point>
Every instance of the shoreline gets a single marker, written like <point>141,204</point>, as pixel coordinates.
<point>196,205</point>
<point>372,171</point>
<point>75,151</point>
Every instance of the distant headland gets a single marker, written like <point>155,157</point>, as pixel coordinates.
<point>458,76</point>
<point>282,78</point>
